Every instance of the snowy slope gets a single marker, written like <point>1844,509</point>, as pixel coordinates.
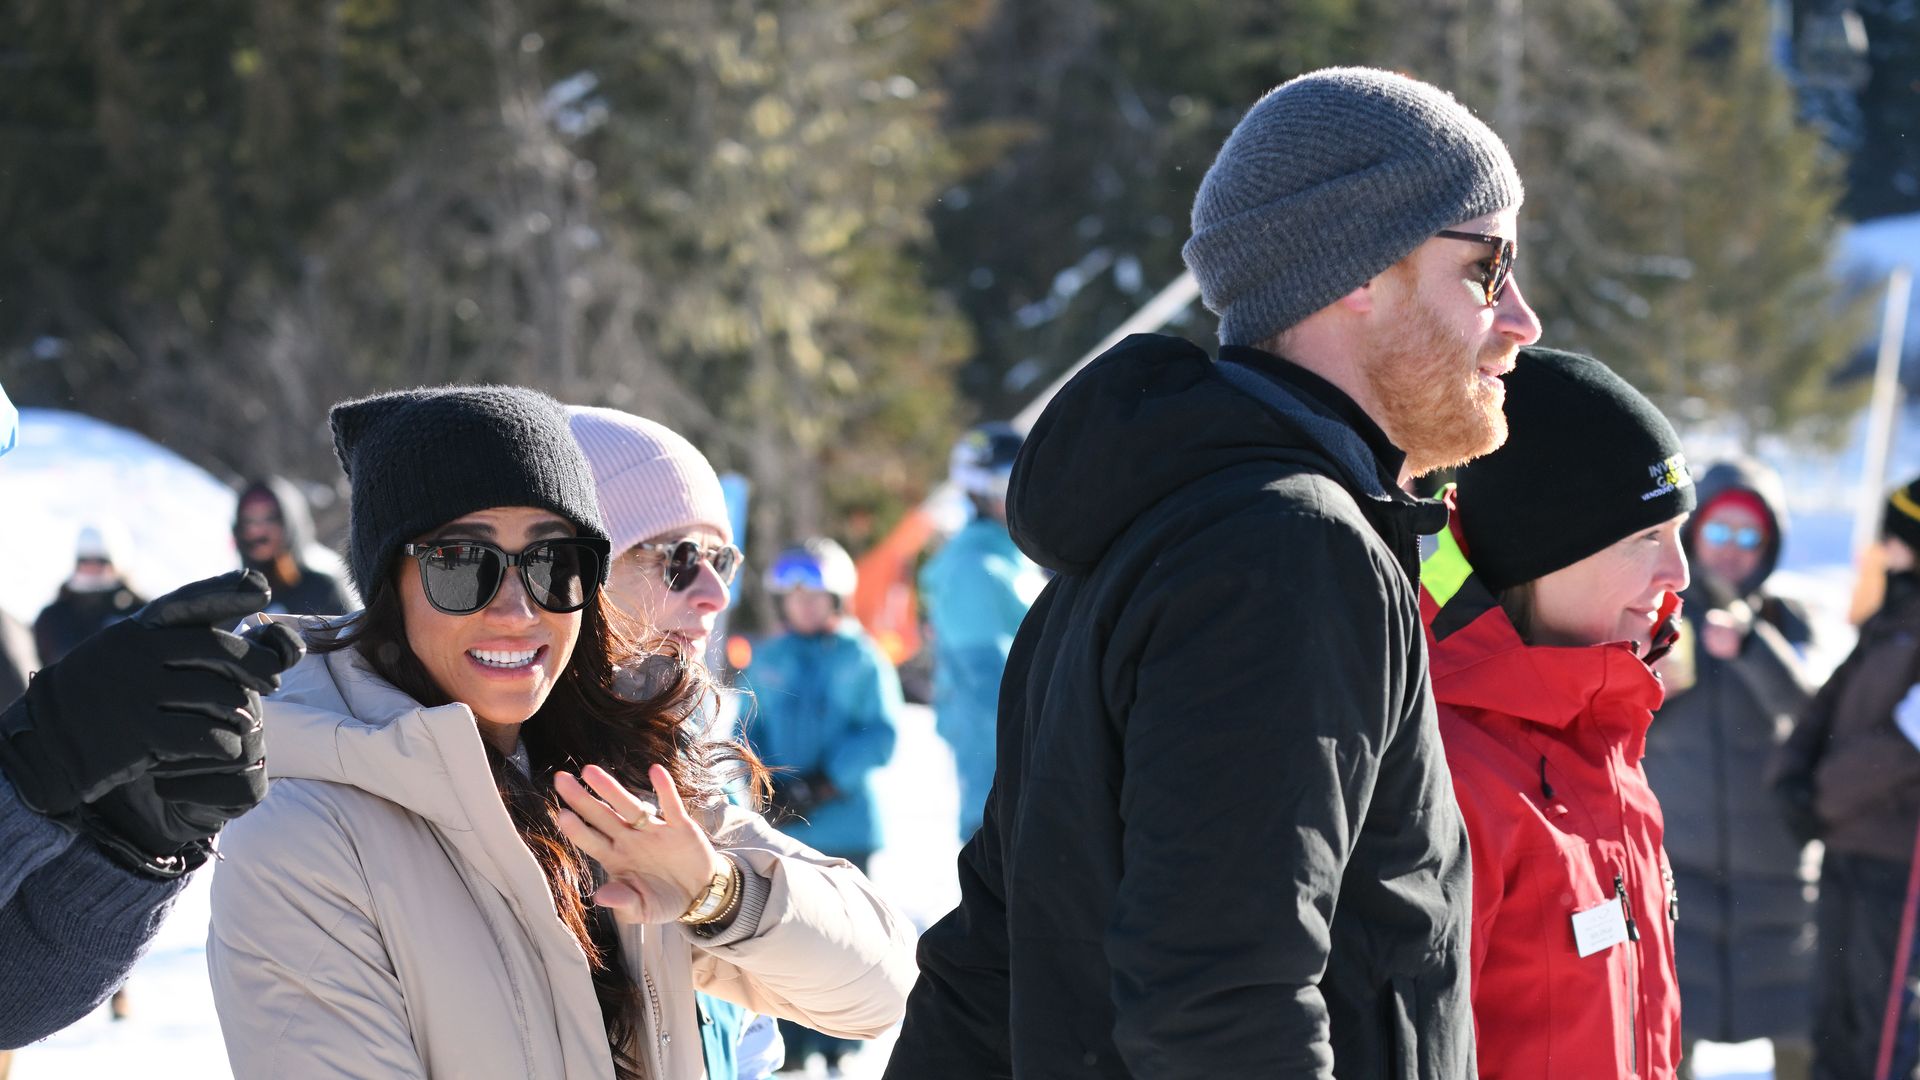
<point>72,470</point>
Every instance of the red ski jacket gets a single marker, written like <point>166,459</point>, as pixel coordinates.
<point>1544,745</point>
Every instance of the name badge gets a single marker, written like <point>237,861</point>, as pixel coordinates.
<point>1599,928</point>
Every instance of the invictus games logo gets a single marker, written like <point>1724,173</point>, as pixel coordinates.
<point>1668,476</point>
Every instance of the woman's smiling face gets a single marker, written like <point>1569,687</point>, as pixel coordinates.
<point>503,660</point>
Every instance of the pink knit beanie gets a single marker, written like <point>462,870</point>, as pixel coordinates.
<point>651,480</point>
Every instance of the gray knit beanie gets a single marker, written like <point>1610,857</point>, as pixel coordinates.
<point>1328,180</point>
<point>417,459</point>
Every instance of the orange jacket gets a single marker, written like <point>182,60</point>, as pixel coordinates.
<point>1544,745</point>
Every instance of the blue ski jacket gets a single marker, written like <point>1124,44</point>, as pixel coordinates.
<point>976,591</point>
<point>828,704</point>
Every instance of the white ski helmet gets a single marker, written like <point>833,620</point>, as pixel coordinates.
<point>982,461</point>
<point>819,564</point>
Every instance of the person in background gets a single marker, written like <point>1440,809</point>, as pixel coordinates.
<point>272,529</point>
<point>673,560</point>
<point>1734,687</point>
<point>1849,776</point>
<point>1548,599</point>
<point>826,702</point>
<point>975,591</point>
<point>96,595</point>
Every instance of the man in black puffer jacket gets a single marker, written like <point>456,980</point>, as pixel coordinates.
<point>1221,840</point>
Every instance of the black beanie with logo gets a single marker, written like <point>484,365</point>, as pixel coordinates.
<point>1902,518</point>
<point>1588,462</point>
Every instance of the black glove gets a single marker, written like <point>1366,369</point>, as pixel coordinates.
<point>795,795</point>
<point>163,695</point>
<point>160,825</point>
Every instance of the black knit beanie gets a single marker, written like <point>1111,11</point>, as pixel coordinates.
<point>1588,461</point>
<point>416,459</point>
<point>1902,518</point>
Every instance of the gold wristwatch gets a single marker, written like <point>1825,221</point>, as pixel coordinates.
<point>718,897</point>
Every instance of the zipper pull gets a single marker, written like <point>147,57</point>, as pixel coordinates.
<point>1626,909</point>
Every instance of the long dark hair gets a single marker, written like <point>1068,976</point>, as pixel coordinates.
<point>583,722</point>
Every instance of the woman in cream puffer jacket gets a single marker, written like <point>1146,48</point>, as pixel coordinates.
<point>378,916</point>
<point>446,882</point>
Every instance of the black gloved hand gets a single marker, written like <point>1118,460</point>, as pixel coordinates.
<point>160,825</point>
<point>162,695</point>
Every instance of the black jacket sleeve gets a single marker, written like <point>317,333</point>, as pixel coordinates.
<point>1270,674</point>
<point>958,1015</point>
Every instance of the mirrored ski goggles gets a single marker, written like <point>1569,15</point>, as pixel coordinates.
<point>463,576</point>
<point>682,559</point>
<point>1720,534</point>
<point>795,571</point>
<point>1496,271</point>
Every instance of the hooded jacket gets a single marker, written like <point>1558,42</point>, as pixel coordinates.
<point>377,915</point>
<point>1847,775</point>
<point>1545,745</point>
<point>1221,840</point>
<point>1745,951</point>
<point>317,592</point>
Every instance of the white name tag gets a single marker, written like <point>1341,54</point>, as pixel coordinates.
<point>1599,928</point>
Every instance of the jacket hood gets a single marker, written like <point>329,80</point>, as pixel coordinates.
<point>1143,421</point>
<point>1478,660</point>
<point>1756,479</point>
<point>296,515</point>
<point>334,719</point>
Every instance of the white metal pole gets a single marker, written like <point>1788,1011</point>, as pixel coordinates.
<point>1880,413</point>
<point>1158,311</point>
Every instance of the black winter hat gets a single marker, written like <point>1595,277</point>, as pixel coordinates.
<point>1902,519</point>
<point>1588,461</point>
<point>420,458</point>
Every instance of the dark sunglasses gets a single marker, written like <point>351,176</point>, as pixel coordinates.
<point>1719,533</point>
<point>463,576</point>
<point>683,559</point>
<point>1498,270</point>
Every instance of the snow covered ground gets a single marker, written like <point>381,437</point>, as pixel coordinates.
<point>72,469</point>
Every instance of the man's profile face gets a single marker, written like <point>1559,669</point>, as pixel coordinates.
<point>1439,351</point>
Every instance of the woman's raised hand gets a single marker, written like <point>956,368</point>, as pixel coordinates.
<point>657,861</point>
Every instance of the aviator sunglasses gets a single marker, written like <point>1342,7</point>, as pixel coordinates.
<point>462,576</point>
<point>1719,534</point>
<point>683,559</point>
<point>1498,269</point>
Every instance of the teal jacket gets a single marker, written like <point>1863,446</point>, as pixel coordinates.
<point>827,703</point>
<point>975,591</point>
